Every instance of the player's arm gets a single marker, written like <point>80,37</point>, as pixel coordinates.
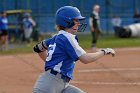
<point>41,48</point>
<point>92,17</point>
<point>76,52</point>
<point>91,24</point>
<point>43,55</point>
<point>33,22</point>
<point>91,57</point>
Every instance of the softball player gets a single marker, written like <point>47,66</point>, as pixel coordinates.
<point>94,22</point>
<point>28,24</point>
<point>3,31</point>
<point>63,51</point>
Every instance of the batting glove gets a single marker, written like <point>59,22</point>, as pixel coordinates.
<point>108,51</point>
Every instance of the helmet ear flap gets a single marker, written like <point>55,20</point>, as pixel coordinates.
<point>69,23</point>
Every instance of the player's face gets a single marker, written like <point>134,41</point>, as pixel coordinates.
<point>76,25</point>
<point>97,9</point>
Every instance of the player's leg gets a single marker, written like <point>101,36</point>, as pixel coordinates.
<point>48,83</point>
<point>2,41</point>
<point>6,42</point>
<point>5,39</point>
<point>26,34</point>
<point>72,89</point>
<point>29,39</point>
<point>94,40</point>
<point>35,90</point>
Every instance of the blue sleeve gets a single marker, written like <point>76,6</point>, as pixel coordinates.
<point>66,47</point>
<point>47,42</point>
<point>73,49</point>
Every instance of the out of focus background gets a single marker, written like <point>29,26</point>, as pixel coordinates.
<point>43,13</point>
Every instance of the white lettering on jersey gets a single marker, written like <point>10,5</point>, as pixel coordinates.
<point>51,49</point>
<point>57,67</point>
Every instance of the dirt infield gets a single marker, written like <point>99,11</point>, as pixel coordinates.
<point>120,74</point>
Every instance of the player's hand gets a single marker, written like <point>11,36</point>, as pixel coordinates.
<point>108,51</point>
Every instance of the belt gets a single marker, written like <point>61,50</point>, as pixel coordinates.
<point>65,78</point>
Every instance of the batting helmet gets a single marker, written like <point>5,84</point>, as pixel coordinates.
<point>27,14</point>
<point>65,16</point>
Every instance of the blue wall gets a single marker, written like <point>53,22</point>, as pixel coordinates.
<point>43,11</point>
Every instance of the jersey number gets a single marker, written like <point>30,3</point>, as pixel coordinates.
<point>50,51</point>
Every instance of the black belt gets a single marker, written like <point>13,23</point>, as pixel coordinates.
<point>65,78</point>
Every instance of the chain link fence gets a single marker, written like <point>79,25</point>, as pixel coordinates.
<point>43,11</point>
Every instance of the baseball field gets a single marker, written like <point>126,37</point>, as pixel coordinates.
<point>119,74</point>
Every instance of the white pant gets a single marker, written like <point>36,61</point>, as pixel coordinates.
<point>28,32</point>
<point>49,83</point>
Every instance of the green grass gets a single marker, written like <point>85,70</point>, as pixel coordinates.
<point>85,42</point>
<point>109,41</point>
<point>119,42</point>
<point>24,48</point>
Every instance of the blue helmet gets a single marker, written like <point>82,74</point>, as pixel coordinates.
<point>65,16</point>
<point>27,14</point>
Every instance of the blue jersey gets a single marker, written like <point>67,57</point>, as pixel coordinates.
<point>3,23</point>
<point>63,52</point>
<point>27,23</point>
